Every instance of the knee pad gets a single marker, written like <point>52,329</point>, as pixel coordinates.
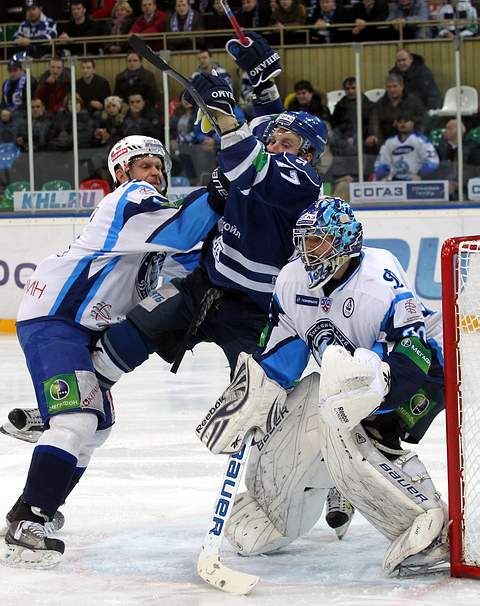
<point>86,451</point>
<point>70,431</point>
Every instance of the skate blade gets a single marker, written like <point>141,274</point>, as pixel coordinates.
<point>421,570</point>
<point>341,531</point>
<point>17,556</point>
<point>26,436</point>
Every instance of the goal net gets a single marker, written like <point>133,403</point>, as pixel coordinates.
<point>461,316</point>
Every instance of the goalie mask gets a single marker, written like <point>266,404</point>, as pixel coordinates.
<point>326,235</point>
<point>129,149</point>
<point>312,131</point>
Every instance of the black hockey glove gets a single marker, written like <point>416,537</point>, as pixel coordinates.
<point>258,59</point>
<point>216,93</point>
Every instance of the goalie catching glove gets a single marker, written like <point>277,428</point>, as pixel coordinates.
<point>258,58</point>
<point>252,400</point>
<point>216,93</point>
<point>351,387</point>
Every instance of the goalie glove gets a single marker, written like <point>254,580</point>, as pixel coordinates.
<point>252,400</point>
<point>216,93</point>
<point>258,59</point>
<point>351,387</point>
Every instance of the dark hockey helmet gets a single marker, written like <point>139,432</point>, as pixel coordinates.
<point>340,236</point>
<point>312,131</point>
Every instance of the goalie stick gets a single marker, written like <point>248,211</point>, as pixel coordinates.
<point>209,566</point>
<point>142,48</point>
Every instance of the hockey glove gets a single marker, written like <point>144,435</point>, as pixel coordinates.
<point>216,93</point>
<point>258,59</point>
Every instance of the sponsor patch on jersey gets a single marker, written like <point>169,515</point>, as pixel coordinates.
<point>157,297</point>
<point>326,303</point>
<point>407,311</point>
<point>348,307</point>
<point>419,405</point>
<point>306,300</point>
<point>413,348</point>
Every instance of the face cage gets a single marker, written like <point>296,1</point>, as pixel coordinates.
<point>319,269</point>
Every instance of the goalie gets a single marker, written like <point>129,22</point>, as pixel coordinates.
<point>380,384</point>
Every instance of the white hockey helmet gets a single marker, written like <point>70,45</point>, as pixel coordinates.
<point>130,148</point>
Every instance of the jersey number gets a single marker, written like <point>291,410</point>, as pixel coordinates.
<point>292,177</point>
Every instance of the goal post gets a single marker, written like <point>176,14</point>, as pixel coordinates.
<point>461,327</point>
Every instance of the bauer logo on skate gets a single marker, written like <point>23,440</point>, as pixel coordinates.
<point>225,499</point>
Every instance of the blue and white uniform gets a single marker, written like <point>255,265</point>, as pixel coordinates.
<point>373,307</point>
<point>403,160</point>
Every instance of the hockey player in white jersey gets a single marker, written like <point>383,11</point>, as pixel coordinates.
<point>381,383</point>
<point>68,301</point>
<point>407,156</point>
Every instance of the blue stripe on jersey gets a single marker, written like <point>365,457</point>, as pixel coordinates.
<point>188,226</point>
<point>79,269</point>
<point>286,361</point>
<point>391,310</point>
<point>96,285</point>
<point>118,219</point>
<point>189,260</point>
<point>380,349</point>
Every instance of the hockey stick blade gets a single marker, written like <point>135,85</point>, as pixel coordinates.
<point>142,48</point>
<point>211,569</point>
<point>209,566</point>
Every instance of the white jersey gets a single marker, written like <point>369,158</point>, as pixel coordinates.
<point>403,160</point>
<point>374,308</point>
<point>115,262</point>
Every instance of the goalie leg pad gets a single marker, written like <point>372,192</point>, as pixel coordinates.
<point>380,489</point>
<point>251,400</point>
<point>286,478</point>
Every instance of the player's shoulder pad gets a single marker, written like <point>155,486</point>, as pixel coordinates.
<point>295,169</point>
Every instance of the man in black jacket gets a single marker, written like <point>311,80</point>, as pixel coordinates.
<point>136,79</point>
<point>418,78</point>
<point>93,89</point>
<point>307,99</point>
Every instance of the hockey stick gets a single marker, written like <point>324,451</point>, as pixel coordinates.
<point>234,23</point>
<point>209,566</point>
<point>142,48</point>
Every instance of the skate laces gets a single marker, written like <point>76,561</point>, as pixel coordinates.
<point>337,502</point>
<point>25,526</point>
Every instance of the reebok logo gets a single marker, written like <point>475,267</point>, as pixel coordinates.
<point>341,414</point>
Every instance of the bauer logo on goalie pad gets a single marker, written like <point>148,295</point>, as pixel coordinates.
<point>402,481</point>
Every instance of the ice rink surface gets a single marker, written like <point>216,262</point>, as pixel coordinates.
<point>135,524</point>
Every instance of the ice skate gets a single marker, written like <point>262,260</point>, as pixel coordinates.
<point>435,558</point>
<point>51,527</point>
<point>339,512</point>
<point>28,544</point>
<point>24,424</point>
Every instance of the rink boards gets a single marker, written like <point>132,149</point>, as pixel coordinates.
<point>415,236</point>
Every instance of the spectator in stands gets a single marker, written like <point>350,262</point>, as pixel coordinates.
<point>447,150</point>
<point>91,87</point>
<point>80,26</point>
<point>184,19</point>
<point>457,10</point>
<point>326,13</point>
<point>368,11</point>
<point>181,134</point>
<point>206,64</point>
<point>119,25</point>
<point>101,9</point>
<point>14,88</point>
<point>289,13</point>
<point>36,27</point>
<point>41,127</point>
<point>408,155</point>
<point>386,110</point>
<point>245,100</point>
<point>53,86</point>
<point>110,129</point>
<point>12,130</point>
<point>401,12</point>
<point>254,13</point>
<point>307,99</point>
<point>151,21</point>
<point>141,119</point>
<point>418,78</point>
<point>136,79</point>
<point>61,135</point>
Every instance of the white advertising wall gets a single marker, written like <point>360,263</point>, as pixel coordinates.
<point>414,236</point>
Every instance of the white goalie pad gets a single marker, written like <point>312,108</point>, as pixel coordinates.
<point>287,480</point>
<point>252,400</point>
<point>398,498</point>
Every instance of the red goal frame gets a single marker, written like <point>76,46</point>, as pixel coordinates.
<point>453,401</point>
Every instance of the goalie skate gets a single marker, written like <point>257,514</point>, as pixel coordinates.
<point>24,424</point>
<point>28,546</point>
<point>339,512</point>
<point>435,558</point>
